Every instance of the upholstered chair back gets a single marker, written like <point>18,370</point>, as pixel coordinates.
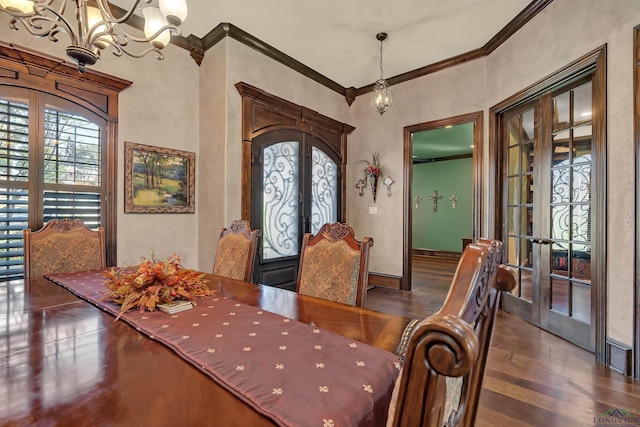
<point>236,252</point>
<point>62,246</point>
<point>334,265</point>
<point>445,354</point>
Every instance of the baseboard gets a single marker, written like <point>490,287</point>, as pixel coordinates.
<point>435,253</point>
<point>619,356</point>
<point>386,280</point>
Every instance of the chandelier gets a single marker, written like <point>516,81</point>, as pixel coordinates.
<point>381,97</point>
<point>92,27</point>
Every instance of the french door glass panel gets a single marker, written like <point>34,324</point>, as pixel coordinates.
<point>298,191</point>
<point>280,200</point>
<point>570,208</point>
<point>324,189</point>
<point>520,165</point>
<point>280,209</point>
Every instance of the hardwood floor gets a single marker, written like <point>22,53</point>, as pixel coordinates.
<point>533,378</point>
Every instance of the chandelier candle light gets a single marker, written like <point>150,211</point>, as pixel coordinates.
<point>381,97</point>
<point>92,27</point>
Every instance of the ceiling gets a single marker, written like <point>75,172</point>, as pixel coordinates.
<point>337,38</point>
<point>443,142</point>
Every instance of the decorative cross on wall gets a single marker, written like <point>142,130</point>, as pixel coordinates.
<point>360,185</point>
<point>434,197</point>
<point>453,199</point>
<point>388,181</point>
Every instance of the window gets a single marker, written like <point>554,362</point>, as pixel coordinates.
<point>58,150</point>
<point>50,167</point>
<point>14,143</point>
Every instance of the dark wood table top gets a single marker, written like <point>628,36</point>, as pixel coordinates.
<point>65,362</point>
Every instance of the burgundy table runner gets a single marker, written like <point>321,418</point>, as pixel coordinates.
<point>289,371</point>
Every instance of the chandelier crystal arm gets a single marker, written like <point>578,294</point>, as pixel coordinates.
<point>119,49</point>
<point>120,43</point>
<point>106,11</point>
<point>171,28</point>
<point>40,24</point>
<point>93,27</point>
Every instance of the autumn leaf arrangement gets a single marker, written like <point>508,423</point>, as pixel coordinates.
<point>154,282</point>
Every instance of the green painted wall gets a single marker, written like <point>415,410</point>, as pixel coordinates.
<point>442,230</point>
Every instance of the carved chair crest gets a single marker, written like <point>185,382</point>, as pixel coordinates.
<point>67,225</point>
<point>337,231</point>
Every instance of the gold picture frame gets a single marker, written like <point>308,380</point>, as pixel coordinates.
<point>158,180</point>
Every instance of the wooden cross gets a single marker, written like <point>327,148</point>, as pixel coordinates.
<point>434,197</point>
<point>360,185</point>
<point>453,199</point>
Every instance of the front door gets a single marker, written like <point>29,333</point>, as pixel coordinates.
<point>295,189</point>
<point>549,151</point>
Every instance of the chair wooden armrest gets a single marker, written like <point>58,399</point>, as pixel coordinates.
<point>447,352</point>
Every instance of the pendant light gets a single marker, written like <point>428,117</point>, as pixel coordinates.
<point>381,97</point>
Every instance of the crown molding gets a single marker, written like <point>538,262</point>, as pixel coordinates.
<point>198,46</point>
<point>226,29</point>
<point>535,7</point>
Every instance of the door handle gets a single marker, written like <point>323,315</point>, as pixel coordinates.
<point>306,223</point>
<point>541,241</point>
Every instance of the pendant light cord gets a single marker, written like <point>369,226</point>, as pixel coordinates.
<point>381,70</point>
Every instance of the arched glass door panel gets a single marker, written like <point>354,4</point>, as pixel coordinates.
<point>295,190</point>
<point>280,208</point>
<point>324,189</point>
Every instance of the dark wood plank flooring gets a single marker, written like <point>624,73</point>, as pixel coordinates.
<point>533,378</point>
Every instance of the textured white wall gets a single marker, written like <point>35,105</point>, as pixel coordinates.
<point>212,160</point>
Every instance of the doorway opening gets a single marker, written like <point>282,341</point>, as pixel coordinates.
<point>442,192</point>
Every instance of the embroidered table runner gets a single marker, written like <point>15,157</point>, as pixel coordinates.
<point>291,372</point>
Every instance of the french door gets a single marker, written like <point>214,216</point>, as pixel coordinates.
<point>295,189</point>
<point>548,206</point>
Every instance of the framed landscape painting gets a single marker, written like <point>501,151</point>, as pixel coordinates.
<point>158,180</point>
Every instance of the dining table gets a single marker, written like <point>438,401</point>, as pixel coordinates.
<point>66,361</point>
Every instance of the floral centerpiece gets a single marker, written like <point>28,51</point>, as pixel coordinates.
<point>373,171</point>
<point>154,282</point>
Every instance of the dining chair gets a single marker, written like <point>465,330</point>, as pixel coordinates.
<point>236,252</point>
<point>334,265</point>
<point>446,353</point>
<point>63,246</point>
